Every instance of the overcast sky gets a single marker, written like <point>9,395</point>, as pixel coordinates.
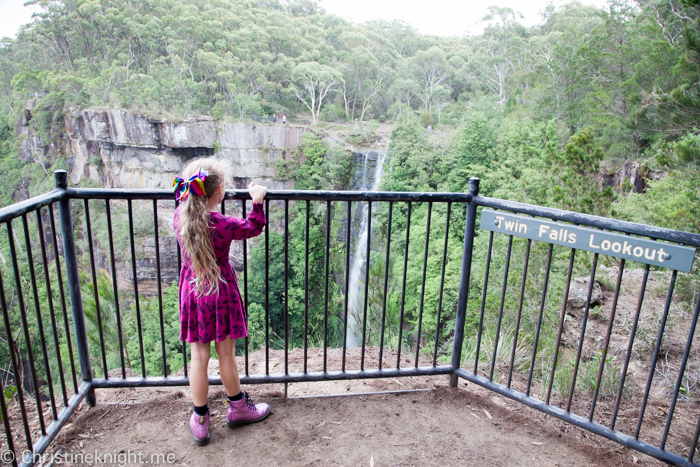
<point>14,14</point>
<point>440,17</point>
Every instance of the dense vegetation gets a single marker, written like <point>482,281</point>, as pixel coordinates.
<point>541,115</point>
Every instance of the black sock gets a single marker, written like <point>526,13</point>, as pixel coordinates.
<point>237,397</point>
<point>203,410</point>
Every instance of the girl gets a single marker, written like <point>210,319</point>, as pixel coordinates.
<point>211,308</point>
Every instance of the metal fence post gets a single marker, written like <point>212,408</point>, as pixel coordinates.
<point>464,280</point>
<point>76,300</point>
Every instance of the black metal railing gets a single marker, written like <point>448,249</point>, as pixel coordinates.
<point>686,437</point>
<point>21,382</point>
<point>512,293</point>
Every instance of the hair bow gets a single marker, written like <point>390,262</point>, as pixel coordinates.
<point>195,183</point>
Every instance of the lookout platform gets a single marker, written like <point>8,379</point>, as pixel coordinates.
<point>357,422</point>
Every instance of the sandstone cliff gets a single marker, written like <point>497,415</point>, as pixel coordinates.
<point>118,149</point>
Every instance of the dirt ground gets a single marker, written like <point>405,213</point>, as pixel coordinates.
<point>427,424</point>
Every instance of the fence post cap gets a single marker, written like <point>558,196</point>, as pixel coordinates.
<point>474,186</point>
<point>61,177</point>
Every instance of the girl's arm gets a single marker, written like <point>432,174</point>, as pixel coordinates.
<point>250,227</point>
<point>254,224</point>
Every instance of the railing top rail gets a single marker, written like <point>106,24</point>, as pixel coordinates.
<point>632,228</point>
<point>15,210</point>
<point>300,195</point>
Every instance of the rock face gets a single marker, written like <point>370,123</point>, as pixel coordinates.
<point>118,128</point>
<point>246,136</point>
<point>630,177</point>
<point>118,149</point>
<point>191,134</point>
<point>253,149</point>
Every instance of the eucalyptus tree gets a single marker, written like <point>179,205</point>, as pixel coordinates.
<point>432,71</point>
<point>312,82</point>
<point>552,54</point>
<point>360,72</point>
<point>405,38</point>
<point>500,50</point>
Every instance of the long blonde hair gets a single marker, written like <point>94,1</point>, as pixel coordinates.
<point>194,225</point>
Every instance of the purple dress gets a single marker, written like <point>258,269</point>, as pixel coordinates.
<point>215,316</point>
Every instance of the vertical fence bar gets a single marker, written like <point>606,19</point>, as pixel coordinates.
<point>63,300</point>
<point>115,288</point>
<point>15,360</point>
<point>500,308</point>
<point>539,318</point>
<point>464,279</point>
<point>136,288</point>
<point>76,300</point>
<point>267,287</point>
<point>657,349</point>
<point>422,287</point>
<point>483,304</point>
<point>49,296</point>
<point>403,286</point>
<point>306,288</point>
<point>582,337</point>
<point>386,283</point>
<point>179,268</point>
<point>286,288</point>
<point>681,372</point>
<point>25,327</point>
<point>630,345</point>
<point>560,329</point>
<point>95,292</point>
<point>364,312</point>
<point>520,310</point>
<point>326,274</point>
<point>160,291</point>
<point>694,444</point>
<point>442,283</point>
<point>6,423</point>
<point>347,282</point>
<point>39,320</point>
<point>607,340</point>
<point>245,285</point>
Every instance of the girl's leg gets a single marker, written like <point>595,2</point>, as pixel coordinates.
<point>241,409</point>
<point>199,380</point>
<point>228,368</point>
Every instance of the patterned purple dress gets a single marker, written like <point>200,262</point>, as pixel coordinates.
<point>215,316</point>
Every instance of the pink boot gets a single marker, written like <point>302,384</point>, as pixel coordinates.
<point>243,411</point>
<point>199,426</point>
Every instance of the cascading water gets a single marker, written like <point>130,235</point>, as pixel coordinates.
<point>359,259</point>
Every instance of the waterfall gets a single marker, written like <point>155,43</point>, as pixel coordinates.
<point>359,260</point>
